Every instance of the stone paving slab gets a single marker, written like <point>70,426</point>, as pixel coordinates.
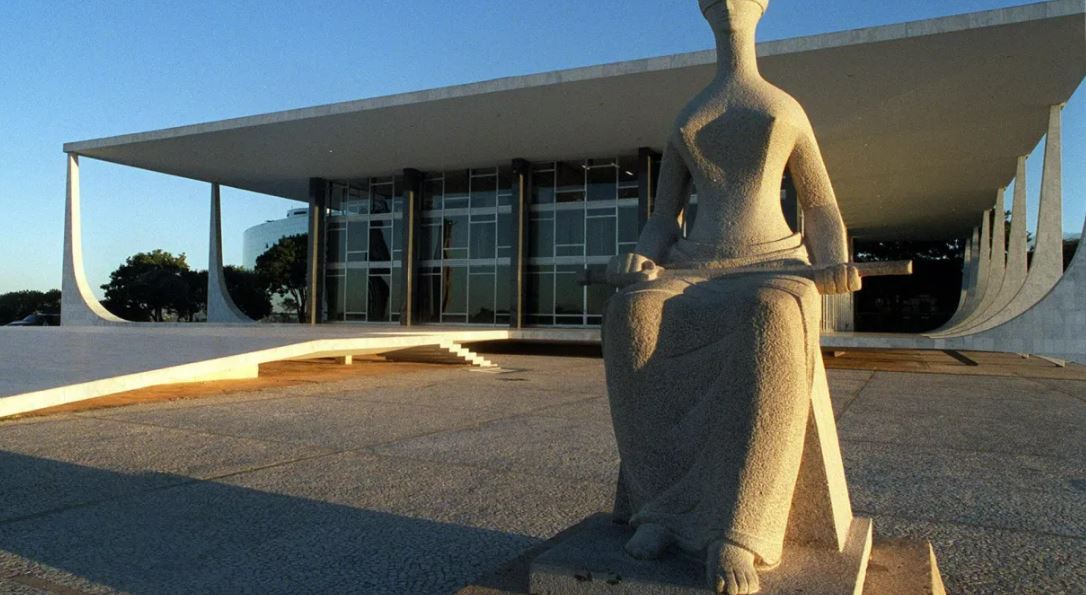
<point>1029,493</point>
<point>573,448</point>
<point>330,423</point>
<point>50,466</point>
<point>353,486</point>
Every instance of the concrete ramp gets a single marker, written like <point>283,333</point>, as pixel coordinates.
<point>46,367</point>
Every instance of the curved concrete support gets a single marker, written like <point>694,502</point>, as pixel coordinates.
<point>1046,266</point>
<point>984,262</point>
<point>997,267</point>
<point>1054,327</point>
<point>220,306</point>
<point>78,306</point>
<point>970,263</point>
<point>1014,277</point>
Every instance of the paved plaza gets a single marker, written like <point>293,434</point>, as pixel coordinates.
<point>425,478</point>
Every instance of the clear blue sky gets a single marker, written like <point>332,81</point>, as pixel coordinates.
<point>72,70</point>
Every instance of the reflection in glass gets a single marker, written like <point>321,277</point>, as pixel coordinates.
<point>454,290</point>
<point>356,291</point>
<point>481,295</point>
<point>455,236</point>
<point>380,287</point>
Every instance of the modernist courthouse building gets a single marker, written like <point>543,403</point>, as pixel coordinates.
<point>484,203</point>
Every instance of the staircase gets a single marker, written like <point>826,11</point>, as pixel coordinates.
<point>446,352</point>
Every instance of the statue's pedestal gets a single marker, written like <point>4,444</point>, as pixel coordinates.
<point>591,560</point>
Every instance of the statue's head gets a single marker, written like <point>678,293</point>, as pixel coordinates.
<point>733,15</point>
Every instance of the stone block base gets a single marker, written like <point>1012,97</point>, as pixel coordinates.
<point>592,561</point>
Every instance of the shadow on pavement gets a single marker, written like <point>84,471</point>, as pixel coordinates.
<point>162,533</point>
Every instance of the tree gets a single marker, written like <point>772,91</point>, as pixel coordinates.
<point>248,292</point>
<point>149,285</point>
<point>282,272</point>
<point>16,305</point>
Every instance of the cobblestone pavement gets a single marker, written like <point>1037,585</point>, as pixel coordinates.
<point>420,482</point>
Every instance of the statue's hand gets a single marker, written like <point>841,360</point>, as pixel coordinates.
<point>838,278</point>
<point>630,268</point>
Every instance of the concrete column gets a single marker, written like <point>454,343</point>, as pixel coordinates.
<point>978,278</point>
<point>646,184</point>
<point>996,267</point>
<point>1014,277</point>
<point>967,269</point>
<point>522,189</point>
<point>78,306</point>
<point>316,257</point>
<point>412,213</point>
<point>1046,266</point>
<point>220,306</point>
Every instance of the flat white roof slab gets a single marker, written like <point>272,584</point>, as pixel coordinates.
<point>920,122</point>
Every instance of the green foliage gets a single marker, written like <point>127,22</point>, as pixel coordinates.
<point>282,272</point>
<point>151,285</point>
<point>248,292</point>
<point>17,305</point>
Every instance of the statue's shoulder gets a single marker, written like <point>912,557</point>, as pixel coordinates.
<point>785,108</point>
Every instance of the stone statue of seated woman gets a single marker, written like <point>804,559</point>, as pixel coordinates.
<point>711,346</point>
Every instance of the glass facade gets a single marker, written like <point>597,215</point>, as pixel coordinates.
<point>579,214</point>
<point>364,252</point>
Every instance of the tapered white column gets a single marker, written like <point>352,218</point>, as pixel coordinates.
<point>1014,277</point>
<point>1046,266</point>
<point>220,306</point>
<point>970,261</point>
<point>997,267</point>
<point>78,306</point>
<point>980,284</point>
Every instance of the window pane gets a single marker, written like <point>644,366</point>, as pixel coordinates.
<point>432,191</point>
<point>504,289</point>
<point>430,240</point>
<point>481,298</point>
<point>542,234</point>
<point>569,228</point>
<point>337,243</point>
<point>598,293</point>
<point>568,295</point>
<point>456,189</point>
<point>380,200</point>
<point>540,295</point>
<point>456,237</point>
<point>396,290</point>
<point>601,236</point>
<point>602,183</point>
<point>482,240</point>
<point>379,297</point>
<point>379,241</point>
<point>627,224</point>
<point>505,229</point>
<point>356,290</point>
<point>484,192</point>
<point>429,295</point>
<point>543,187</point>
<point>333,294</point>
<point>454,290</point>
<point>358,200</point>
<point>358,236</point>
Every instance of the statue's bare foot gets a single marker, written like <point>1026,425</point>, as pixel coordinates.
<point>649,542</point>
<point>731,569</point>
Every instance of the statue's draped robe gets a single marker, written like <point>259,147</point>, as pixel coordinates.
<point>709,374</point>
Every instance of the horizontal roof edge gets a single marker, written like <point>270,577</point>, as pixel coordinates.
<point>949,24</point>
